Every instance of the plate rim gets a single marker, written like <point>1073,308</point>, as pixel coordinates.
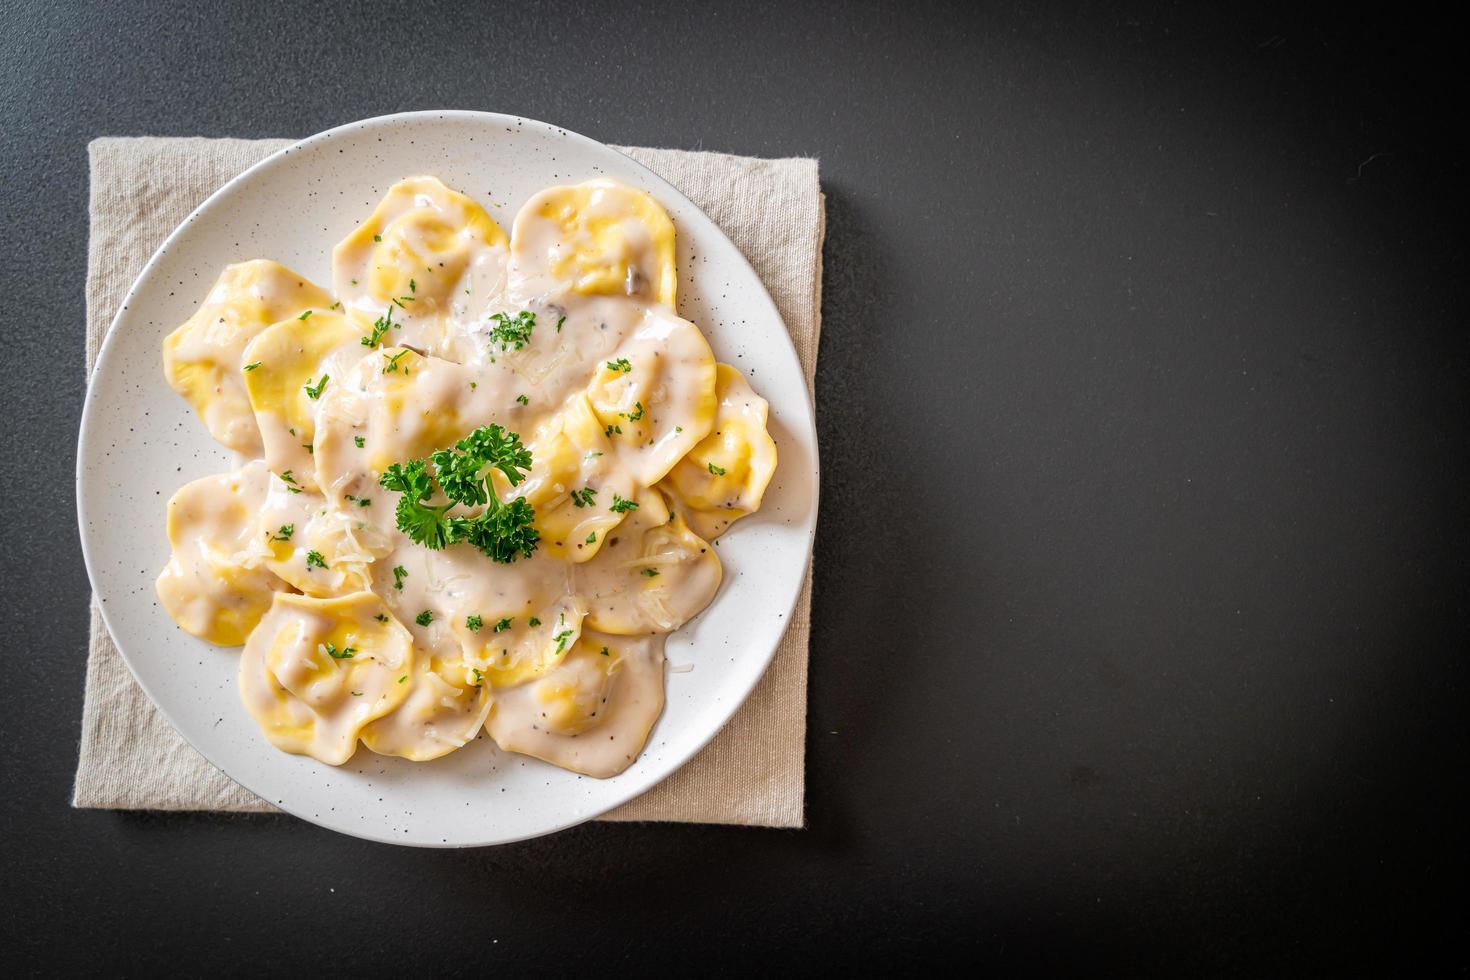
<point>92,406</point>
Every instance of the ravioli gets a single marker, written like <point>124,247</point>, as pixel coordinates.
<point>656,396</point>
<point>317,549</point>
<point>443,710</point>
<point>428,254</point>
<point>653,576</point>
<point>315,671</point>
<point>590,444</point>
<point>591,711</point>
<point>724,477</point>
<point>203,359</point>
<point>292,364</point>
<point>574,483</point>
<point>596,238</point>
<point>215,585</point>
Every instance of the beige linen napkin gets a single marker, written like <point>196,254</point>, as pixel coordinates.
<point>751,773</point>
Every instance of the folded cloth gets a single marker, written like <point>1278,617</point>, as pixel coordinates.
<point>752,772</point>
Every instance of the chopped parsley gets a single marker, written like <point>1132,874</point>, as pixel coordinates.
<point>559,323</point>
<point>611,429</point>
<point>359,441</point>
<point>603,651</point>
<point>650,572</point>
<point>290,482</point>
<point>512,332</point>
<point>523,399</point>
<point>412,286</point>
<point>424,618</point>
<point>502,625</point>
<point>399,574</point>
<point>304,315</point>
<point>314,559</point>
<point>381,617</point>
<point>479,678</point>
<point>621,505</point>
<point>591,538</point>
<point>310,449</point>
<point>403,678</point>
<point>716,470</point>
<point>392,365</point>
<point>473,623</point>
<point>376,238</point>
<point>336,654</point>
<point>620,365</point>
<point>252,365</point>
<point>284,534</point>
<point>584,497</point>
<point>534,621</point>
<point>357,694</point>
<point>315,392</point>
<point>381,326</point>
<point>561,640</point>
<point>635,415</point>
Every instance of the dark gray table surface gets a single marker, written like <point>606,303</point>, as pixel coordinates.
<point>1139,627</point>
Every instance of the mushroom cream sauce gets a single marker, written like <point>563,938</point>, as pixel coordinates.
<point>643,450</point>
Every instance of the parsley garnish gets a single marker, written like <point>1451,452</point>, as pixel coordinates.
<point>591,538</point>
<point>561,640</point>
<point>584,497</point>
<point>376,238</point>
<point>284,534</point>
<point>412,287</point>
<point>603,651</point>
<point>473,623</point>
<point>611,429</point>
<point>559,323</point>
<point>290,482</point>
<point>403,678</point>
<point>336,654</point>
<point>622,506</point>
<point>314,559</point>
<point>523,399</point>
<point>503,531</point>
<point>381,326</point>
<point>316,392</point>
<point>512,331</point>
<point>393,362</point>
<point>621,364</point>
<point>252,366</point>
<point>399,574</point>
<point>304,315</point>
<point>502,625</point>
<point>634,416</point>
<point>424,618</point>
<point>650,572</point>
<point>380,617</point>
<point>357,694</point>
<point>479,678</point>
<point>716,470</point>
<point>534,621</point>
<point>359,441</point>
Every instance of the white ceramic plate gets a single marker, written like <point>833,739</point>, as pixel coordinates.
<point>139,442</point>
